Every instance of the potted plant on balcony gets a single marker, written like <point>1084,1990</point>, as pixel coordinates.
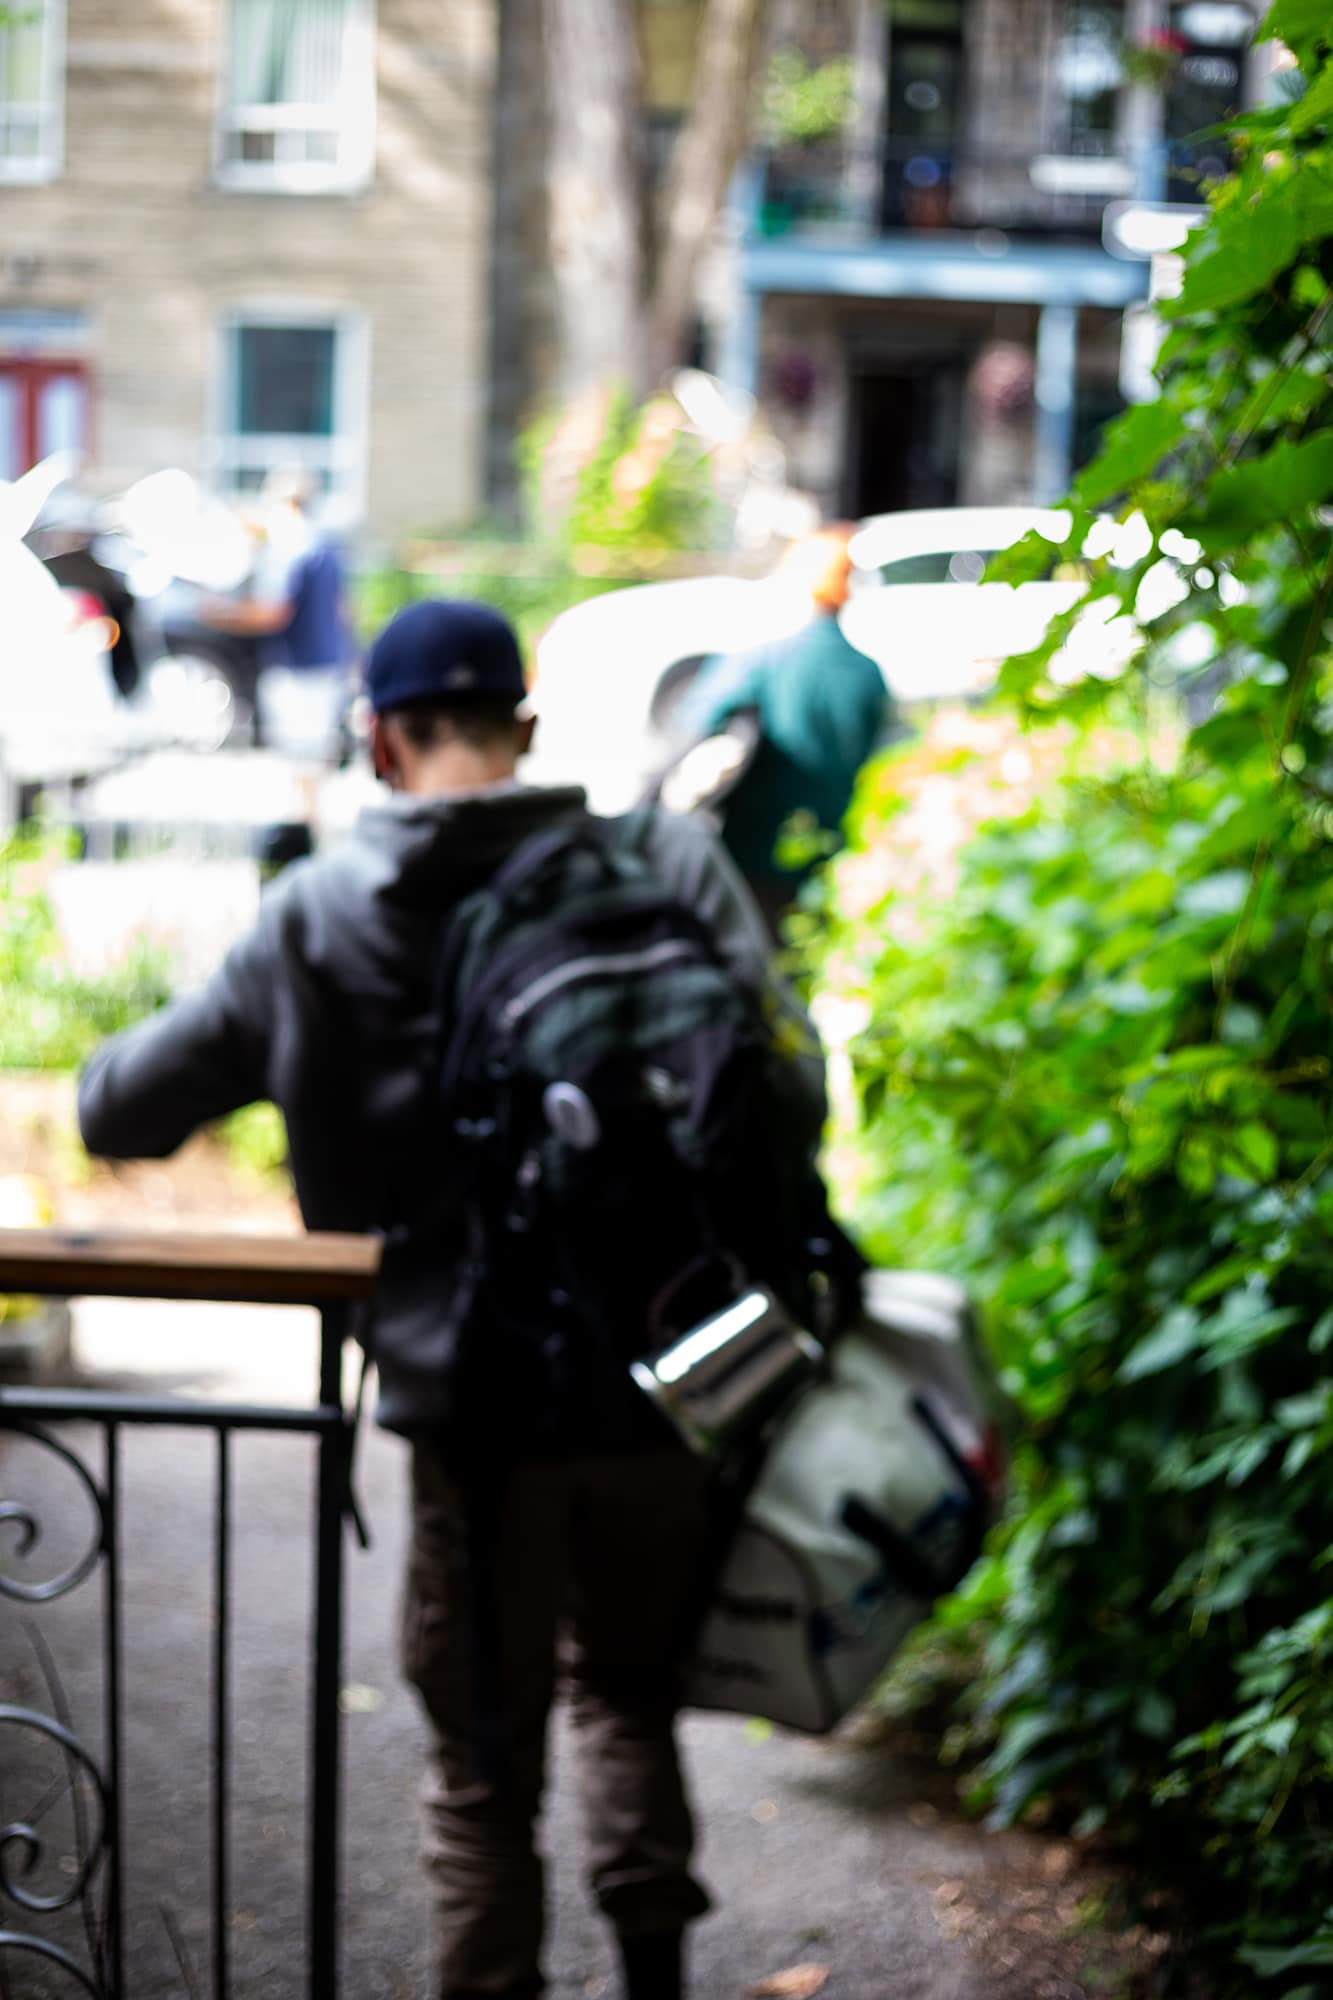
<point>805,109</point>
<point>1152,59</point>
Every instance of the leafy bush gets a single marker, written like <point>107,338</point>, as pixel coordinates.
<point>606,479</point>
<point>802,102</point>
<point>612,474</point>
<point>255,1141</point>
<point>1095,1080</point>
<point>529,602</point>
<point>49,1017</point>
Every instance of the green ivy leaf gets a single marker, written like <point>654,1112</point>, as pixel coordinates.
<point>1299,391</point>
<point>1168,1343</point>
<point>1132,447</point>
<point>1301,24</point>
<point>1249,244</point>
<point>1272,1963</point>
<point>1283,485</point>
<point>1155,1714</point>
<point>1028,561</point>
<point>1254,1148</point>
<point>1246,1459</point>
<point>1321,1333</point>
<point>1296,1413</point>
<point>1298,1454</point>
<point>1232,1271</point>
<point>1316,107</point>
<point>1197,1163</point>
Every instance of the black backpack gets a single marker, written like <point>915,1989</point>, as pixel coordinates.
<point>629,1152</point>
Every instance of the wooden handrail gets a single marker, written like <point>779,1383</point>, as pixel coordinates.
<point>141,1264</point>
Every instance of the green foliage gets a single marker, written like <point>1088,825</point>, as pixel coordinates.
<point>377,594</point>
<point>612,488</point>
<point>1096,1081</point>
<point>529,600</point>
<point>612,474</point>
<point>49,1017</point>
<point>255,1141</point>
<point>801,102</point>
<point>1301,24</point>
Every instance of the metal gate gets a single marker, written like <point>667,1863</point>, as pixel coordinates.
<point>331,1273</point>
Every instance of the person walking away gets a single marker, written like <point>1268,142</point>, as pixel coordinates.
<point>297,612</point>
<point>781,733</point>
<point>593,1533</point>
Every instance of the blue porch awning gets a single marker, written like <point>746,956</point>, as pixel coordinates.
<point>984,267</point>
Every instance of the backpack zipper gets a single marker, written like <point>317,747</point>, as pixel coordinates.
<point>646,960</point>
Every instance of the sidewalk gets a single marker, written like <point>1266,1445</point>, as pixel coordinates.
<point>818,1853</point>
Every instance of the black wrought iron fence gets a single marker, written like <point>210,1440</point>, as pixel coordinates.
<point>330,1273</point>
<point>926,185</point>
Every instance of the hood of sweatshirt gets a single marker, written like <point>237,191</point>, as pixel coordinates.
<point>372,906</point>
<point>414,850</point>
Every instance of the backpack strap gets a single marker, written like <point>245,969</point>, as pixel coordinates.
<point>533,854</point>
<point>626,835</point>
<point>608,839</point>
<point>629,833</point>
<point>521,867</point>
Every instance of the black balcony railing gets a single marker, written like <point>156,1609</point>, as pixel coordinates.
<point>335,1274</point>
<point>924,186</point>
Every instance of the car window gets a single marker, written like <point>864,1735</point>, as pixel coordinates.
<point>938,566</point>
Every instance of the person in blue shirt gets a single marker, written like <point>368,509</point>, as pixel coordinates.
<point>297,613</point>
<point>781,734</point>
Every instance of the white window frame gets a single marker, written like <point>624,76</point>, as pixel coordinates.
<point>355,165</point>
<point>1061,104</point>
<point>343,454</point>
<point>49,160</point>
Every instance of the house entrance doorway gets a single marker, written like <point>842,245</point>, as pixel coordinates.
<point>903,442</point>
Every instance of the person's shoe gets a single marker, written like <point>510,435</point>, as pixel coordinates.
<point>653,1966</point>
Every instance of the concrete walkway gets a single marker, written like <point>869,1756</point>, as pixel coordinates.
<point>817,1853</point>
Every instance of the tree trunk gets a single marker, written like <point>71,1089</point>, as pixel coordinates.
<point>702,164</point>
<point>595,192</point>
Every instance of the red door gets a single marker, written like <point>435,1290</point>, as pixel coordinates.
<point>43,409</point>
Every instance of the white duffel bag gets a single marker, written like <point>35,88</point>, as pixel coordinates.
<point>871,1500</point>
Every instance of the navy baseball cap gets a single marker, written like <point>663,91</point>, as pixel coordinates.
<point>440,649</point>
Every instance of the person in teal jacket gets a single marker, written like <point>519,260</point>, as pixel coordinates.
<point>781,734</point>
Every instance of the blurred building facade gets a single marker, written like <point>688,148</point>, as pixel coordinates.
<point>237,233</point>
<point>925,302</point>
<point>242,233</point>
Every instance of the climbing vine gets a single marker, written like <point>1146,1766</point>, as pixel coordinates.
<point>1095,1078</point>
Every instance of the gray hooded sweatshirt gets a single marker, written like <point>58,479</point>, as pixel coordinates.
<point>326,1009</point>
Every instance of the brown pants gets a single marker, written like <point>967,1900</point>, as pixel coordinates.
<point>594,1560</point>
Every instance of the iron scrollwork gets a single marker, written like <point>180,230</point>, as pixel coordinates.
<point>14,1514</point>
<point>15,1941</point>
<point>26,1839</point>
<point>23,1847</point>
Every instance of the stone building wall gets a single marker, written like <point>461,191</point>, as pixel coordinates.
<point>136,234</point>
